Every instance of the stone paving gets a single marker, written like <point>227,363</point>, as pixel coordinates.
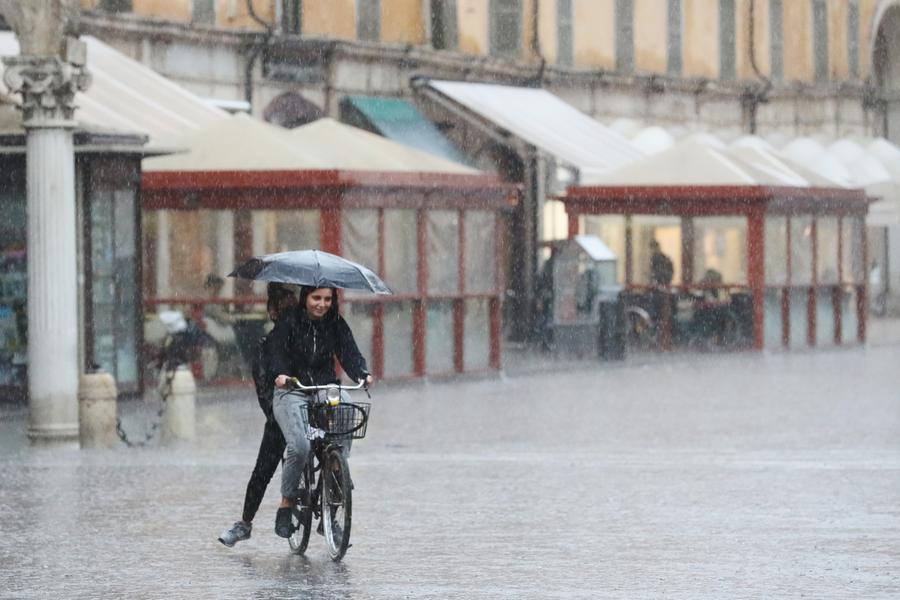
<point>742,476</point>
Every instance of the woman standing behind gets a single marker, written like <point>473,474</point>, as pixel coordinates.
<point>281,301</point>
<point>305,344</point>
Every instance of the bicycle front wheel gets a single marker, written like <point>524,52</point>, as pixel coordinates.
<point>301,515</point>
<point>336,502</point>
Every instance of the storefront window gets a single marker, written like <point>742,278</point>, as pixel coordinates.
<point>720,247</point>
<point>667,232</point>
<point>776,250</point>
<point>480,253</point>
<point>611,230</point>
<point>827,234</point>
<point>13,274</point>
<point>398,339</point>
<point>114,293</point>
<point>801,250</point>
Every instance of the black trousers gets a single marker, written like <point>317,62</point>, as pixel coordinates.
<point>271,449</point>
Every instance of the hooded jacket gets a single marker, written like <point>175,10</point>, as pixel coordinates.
<point>306,348</point>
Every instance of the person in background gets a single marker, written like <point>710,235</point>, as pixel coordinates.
<point>661,269</point>
<point>281,299</point>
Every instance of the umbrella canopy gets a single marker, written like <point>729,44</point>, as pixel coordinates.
<point>311,267</point>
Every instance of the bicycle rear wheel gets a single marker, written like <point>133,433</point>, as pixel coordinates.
<point>336,502</point>
<point>301,515</point>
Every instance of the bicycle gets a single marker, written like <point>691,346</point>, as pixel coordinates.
<point>328,497</point>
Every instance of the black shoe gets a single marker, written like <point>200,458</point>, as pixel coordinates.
<point>283,527</point>
<point>321,528</point>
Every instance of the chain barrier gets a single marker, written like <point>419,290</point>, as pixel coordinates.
<point>165,390</point>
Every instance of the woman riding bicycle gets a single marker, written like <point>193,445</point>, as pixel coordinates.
<point>304,344</point>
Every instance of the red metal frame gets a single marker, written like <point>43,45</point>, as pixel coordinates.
<point>754,202</point>
<point>332,191</point>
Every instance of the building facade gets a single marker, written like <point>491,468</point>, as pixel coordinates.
<point>784,68</point>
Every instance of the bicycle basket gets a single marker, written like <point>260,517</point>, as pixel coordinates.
<point>346,419</point>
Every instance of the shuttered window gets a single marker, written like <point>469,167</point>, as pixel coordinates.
<point>506,28</point>
<point>292,16</point>
<point>203,12</point>
<point>853,38</point>
<point>368,20</point>
<point>675,62</point>
<point>624,36</point>
<point>564,32</point>
<point>820,39</point>
<point>776,39</point>
<point>726,40</point>
<point>444,28</point>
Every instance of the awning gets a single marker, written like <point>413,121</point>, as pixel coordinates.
<point>125,96</point>
<point>540,119</point>
<point>400,121</point>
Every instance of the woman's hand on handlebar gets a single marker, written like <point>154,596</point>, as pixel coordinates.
<point>281,381</point>
<point>368,381</point>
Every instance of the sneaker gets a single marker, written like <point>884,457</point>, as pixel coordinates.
<point>283,526</point>
<point>239,531</point>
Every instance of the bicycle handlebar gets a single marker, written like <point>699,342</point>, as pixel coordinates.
<point>313,388</point>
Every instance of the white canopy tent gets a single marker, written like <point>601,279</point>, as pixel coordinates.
<point>127,96</point>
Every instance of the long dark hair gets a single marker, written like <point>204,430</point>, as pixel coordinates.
<point>306,290</point>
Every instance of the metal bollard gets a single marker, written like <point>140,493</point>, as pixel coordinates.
<point>97,410</point>
<point>179,423</point>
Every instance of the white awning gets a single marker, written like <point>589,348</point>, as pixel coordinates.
<point>542,120</point>
<point>125,96</point>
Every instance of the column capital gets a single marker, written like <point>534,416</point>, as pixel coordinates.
<point>48,86</point>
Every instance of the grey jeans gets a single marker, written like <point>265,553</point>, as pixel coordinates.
<point>290,414</point>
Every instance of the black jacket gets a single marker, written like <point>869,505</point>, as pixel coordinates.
<point>263,377</point>
<point>305,348</point>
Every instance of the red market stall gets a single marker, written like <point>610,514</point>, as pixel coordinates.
<point>771,247</point>
<point>433,229</point>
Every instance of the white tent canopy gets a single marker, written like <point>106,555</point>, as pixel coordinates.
<point>128,97</point>
<point>244,143</point>
<point>544,121</point>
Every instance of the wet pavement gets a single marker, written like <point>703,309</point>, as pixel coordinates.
<point>743,476</point>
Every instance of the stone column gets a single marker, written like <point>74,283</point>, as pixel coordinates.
<point>48,86</point>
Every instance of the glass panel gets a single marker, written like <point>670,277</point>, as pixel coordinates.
<point>610,229</point>
<point>368,20</point>
<point>398,339</point>
<point>849,321</point>
<point>801,250</point>
<point>477,345</point>
<point>480,254</point>
<point>359,316</point>
<point>193,252</point>
<point>443,251</point>
<point>624,15</point>
<point>776,250</point>
<point>776,38</point>
<point>13,274</point>
<point>720,245</point>
<point>666,231</point>
<point>772,318</point>
<point>852,233</point>
<point>675,61</point>
<point>439,337</point>
<point>824,317</point>
<point>799,322</point>
<point>287,230</point>
<point>113,285</point>
<point>400,250</point>
<point>827,249</point>
<point>564,36</point>
<point>359,240</point>
<point>726,40</point>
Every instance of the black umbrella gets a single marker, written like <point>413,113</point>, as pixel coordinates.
<point>311,267</point>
